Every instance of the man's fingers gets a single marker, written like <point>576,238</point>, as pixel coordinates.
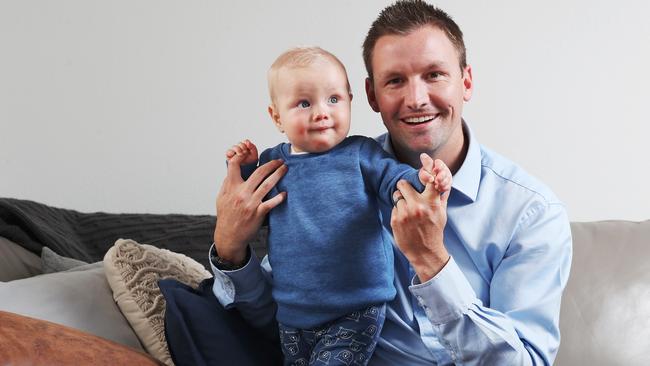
<point>425,176</point>
<point>408,192</point>
<point>427,162</point>
<point>269,175</point>
<point>431,194</point>
<point>269,204</point>
<point>397,196</point>
<point>233,173</point>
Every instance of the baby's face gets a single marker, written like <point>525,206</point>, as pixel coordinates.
<point>312,106</point>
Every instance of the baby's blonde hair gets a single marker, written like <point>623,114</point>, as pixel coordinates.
<point>298,57</point>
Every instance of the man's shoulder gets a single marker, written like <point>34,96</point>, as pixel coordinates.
<point>513,177</point>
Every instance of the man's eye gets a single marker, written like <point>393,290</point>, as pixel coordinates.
<point>394,81</point>
<point>434,75</point>
<point>333,100</point>
<point>304,104</point>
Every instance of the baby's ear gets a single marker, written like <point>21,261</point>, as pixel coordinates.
<point>275,116</point>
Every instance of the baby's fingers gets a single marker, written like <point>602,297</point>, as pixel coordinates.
<point>443,183</point>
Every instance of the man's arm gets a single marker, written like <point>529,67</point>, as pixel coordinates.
<point>520,325</point>
<point>241,211</point>
<point>248,289</point>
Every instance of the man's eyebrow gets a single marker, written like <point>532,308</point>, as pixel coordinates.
<point>437,65</point>
<point>389,74</point>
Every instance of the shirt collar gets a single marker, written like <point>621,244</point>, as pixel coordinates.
<point>468,177</point>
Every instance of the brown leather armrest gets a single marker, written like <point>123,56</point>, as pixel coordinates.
<point>29,341</point>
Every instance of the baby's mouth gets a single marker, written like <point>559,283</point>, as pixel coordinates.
<point>321,127</point>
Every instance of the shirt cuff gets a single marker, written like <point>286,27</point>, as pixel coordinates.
<point>232,286</point>
<point>445,297</point>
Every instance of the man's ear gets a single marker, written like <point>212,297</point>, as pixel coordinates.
<point>370,93</point>
<point>468,84</point>
<point>275,117</point>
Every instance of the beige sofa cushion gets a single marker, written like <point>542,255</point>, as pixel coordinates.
<point>605,317</point>
<point>133,271</point>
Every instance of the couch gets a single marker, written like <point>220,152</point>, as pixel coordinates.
<point>605,314</point>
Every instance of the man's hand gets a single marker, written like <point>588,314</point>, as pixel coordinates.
<point>435,172</point>
<point>246,149</point>
<point>240,209</point>
<point>418,220</point>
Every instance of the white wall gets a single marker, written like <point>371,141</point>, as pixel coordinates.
<point>128,106</point>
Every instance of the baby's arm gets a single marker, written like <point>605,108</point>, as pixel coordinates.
<point>246,151</point>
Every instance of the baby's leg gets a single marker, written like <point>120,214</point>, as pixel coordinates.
<point>349,340</point>
<point>295,346</point>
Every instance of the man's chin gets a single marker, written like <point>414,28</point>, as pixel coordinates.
<point>418,143</point>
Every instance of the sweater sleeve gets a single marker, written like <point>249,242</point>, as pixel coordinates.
<point>381,171</point>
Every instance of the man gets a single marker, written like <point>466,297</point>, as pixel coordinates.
<point>480,273</point>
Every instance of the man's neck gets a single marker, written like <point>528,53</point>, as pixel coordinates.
<point>453,153</point>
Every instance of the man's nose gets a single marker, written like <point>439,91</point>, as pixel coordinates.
<point>416,96</point>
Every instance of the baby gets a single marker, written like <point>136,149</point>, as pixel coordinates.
<point>332,259</point>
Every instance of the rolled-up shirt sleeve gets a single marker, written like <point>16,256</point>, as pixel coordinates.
<point>248,289</point>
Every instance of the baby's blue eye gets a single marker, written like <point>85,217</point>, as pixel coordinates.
<point>304,104</point>
<point>333,100</point>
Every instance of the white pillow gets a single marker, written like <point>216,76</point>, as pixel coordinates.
<point>133,271</point>
<point>79,298</point>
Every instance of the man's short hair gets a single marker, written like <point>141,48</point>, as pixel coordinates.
<point>299,57</point>
<point>405,16</point>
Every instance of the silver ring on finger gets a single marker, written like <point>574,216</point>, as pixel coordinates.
<point>395,200</point>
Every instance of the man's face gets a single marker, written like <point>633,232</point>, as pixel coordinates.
<point>312,106</point>
<point>419,90</point>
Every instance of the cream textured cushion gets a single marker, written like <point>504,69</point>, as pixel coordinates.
<point>133,271</point>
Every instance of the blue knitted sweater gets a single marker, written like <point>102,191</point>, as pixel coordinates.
<point>329,251</point>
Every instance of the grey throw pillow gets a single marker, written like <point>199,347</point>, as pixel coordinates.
<point>17,262</point>
<point>52,262</point>
<point>79,298</point>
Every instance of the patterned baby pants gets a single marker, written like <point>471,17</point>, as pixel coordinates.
<point>349,340</point>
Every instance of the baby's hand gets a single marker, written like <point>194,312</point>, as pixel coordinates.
<point>435,172</point>
<point>442,174</point>
<point>246,151</point>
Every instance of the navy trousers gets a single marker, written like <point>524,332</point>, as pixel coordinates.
<point>349,340</point>
<point>200,332</point>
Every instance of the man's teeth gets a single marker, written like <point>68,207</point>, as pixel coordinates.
<point>418,119</point>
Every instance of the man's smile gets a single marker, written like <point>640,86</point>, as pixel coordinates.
<point>415,120</point>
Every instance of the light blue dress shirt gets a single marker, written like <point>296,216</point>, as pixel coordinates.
<point>497,300</point>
